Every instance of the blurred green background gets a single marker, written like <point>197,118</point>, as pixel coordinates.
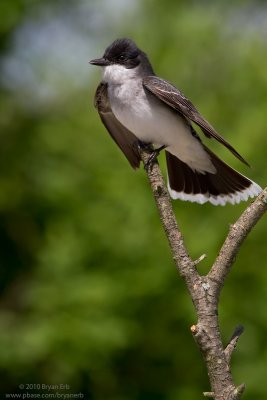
<point>89,293</point>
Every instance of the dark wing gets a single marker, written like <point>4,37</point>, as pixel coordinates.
<point>175,99</point>
<point>125,139</point>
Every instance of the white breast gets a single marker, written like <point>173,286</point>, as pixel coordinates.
<point>150,120</point>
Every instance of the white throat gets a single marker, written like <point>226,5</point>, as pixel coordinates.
<point>117,74</point>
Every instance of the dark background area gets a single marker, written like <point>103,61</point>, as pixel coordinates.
<point>89,293</point>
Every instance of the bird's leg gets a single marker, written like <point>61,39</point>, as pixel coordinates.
<point>148,147</point>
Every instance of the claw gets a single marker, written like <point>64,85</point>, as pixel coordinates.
<point>148,147</point>
<point>153,156</point>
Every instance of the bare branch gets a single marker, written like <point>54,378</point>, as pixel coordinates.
<point>205,290</point>
<point>236,236</point>
<point>174,235</point>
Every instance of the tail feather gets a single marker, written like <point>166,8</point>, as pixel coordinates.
<point>225,186</point>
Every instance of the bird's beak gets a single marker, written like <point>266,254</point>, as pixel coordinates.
<point>102,62</point>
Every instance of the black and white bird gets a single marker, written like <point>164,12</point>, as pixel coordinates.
<point>136,106</point>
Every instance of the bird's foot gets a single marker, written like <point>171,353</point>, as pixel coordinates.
<point>148,147</point>
<point>153,156</point>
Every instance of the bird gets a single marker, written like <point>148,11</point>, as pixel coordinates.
<point>138,108</point>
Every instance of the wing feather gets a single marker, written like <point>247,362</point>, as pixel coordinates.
<point>170,95</point>
<point>125,139</point>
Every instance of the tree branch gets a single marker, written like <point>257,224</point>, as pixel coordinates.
<point>205,290</point>
<point>236,236</point>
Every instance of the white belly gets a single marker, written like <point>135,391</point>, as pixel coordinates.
<point>154,122</point>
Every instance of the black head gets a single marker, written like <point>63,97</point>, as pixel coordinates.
<point>123,52</point>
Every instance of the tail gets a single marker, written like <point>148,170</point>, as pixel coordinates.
<point>225,186</point>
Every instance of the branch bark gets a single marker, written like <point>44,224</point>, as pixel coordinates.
<point>205,290</point>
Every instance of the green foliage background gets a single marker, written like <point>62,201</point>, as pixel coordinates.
<point>89,293</point>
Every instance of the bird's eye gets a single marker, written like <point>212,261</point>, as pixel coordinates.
<point>121,57</point>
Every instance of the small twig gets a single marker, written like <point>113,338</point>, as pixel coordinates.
<point>199,259</point>
<point>208,394</point>
<point>239,391</point>
<point>228,351</point>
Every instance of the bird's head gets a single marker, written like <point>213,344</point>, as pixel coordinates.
<point>124,54</point>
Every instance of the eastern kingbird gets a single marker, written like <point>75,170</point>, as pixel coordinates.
<point>136,106</point>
